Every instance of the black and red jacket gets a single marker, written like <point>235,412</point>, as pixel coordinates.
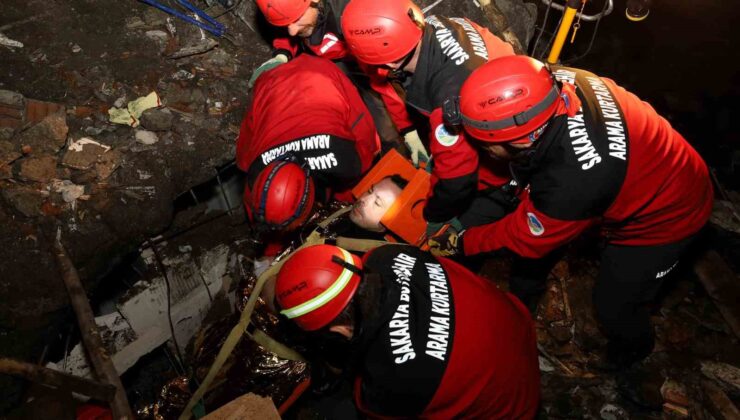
<point>310,109</point>
<point>451,49</point>
<point>446,344</point>
<point>326,40</point>
<point>608,160</point>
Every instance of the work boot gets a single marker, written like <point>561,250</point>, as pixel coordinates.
<point>637,10</point>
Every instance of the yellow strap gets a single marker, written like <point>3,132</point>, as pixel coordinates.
<point>361,245</point>
<point>274,346</point>
<point>315,238</point>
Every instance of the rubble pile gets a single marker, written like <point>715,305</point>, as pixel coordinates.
<point>66,162</point>
<point>692,372</point>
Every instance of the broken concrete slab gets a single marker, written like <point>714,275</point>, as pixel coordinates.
<point>83,153</point>
<point>146,137</point>
<point>724,215</point>
<point>49,135</point>
<point>6,133</point>
<point>6,172</point>
<point>13,99</point>
<point>26,201</point>
<point>38,169</point>
<point>108,163</point>
<point>8,153</point>
<point>159,37</point>
<point>193,282</point>
<point>12,107</point>
<point>157,119</point>
<point>725,375</point>
<point>37,110</point>
<point>116,335</point>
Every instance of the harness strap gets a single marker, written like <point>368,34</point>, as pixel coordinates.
<point>315,238</point>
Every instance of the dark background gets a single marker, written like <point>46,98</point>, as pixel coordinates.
<point>682,59</point>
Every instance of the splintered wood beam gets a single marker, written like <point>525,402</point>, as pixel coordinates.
<point>55,379</point>
<point>718,403</point>
<point>722,286</point>
<point>96,351</point>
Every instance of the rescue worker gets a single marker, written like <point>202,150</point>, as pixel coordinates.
<point>587,152</point>
<point>313,28</point>
<point>306,136</point>
<point>426,337</point>
<point>432,58</point>
<point>312,25</point>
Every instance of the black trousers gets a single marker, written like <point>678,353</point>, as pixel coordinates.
<point>629,279</point>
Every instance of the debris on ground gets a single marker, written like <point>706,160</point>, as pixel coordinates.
<point>131,114</point>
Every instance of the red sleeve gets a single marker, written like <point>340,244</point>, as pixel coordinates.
<point>288,44</point>
<point>453,155</point>
<point>454,171</point>
<point>394,103</point>
<point>527,232</point>
<point>495,46</point>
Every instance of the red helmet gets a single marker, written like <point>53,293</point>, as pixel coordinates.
<point>382,31</point>
<point>282,196</point>
<point>283,12</point>
<point>507,99</point>
<point>316,283</point>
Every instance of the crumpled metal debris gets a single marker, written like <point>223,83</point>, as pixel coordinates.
<point>249,368</point>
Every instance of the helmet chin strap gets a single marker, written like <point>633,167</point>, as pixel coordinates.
<point>351,267</point>
<point>400,72</point>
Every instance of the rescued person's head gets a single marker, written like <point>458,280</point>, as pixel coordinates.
<point>371,206</point>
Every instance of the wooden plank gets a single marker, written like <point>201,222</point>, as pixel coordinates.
<point>96,351</point>
<point>722,285</point>
<point>56,379</point>
<point>248,406</point>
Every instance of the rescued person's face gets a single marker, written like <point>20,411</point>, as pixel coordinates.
<point>304,26</point>
<point>371,206</point>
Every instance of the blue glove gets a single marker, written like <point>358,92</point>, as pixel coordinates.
<point>267,65</point>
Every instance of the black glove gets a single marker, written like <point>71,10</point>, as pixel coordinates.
<point>447,243</point>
